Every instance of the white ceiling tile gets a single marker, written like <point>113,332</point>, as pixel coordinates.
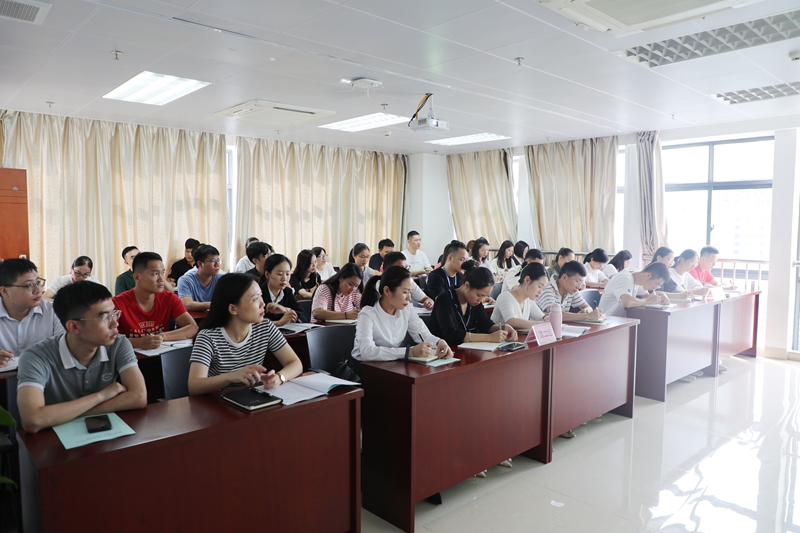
<point>546,50</point>
<point>166,8</point>
<point>30,37</point>
<point>231,49</point>
<point>419,50</point>
<point>419,14</point>
<point>14,77</point>
<point>599,64</point>
<point>231,27</point>
<point>641,79</point>
<point>193,67</point>
<point>127,26</point>
<point>311,67</point>
<point>274,15</point>
<point>93,48</point>
<point>61,100</point>
<point>68,14</point>
<point>105,78</point>
<point>18,59</point>
<point>475,67</point>
<point>734,82</point>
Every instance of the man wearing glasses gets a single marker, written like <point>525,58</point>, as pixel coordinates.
<point>25,317</point>
<point>196,287</point>
<point>75,374</point>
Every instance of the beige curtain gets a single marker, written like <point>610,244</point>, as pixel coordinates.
<point>296,196</point>
<point>651,192</point>
<point>572,193</point>
<point>482,195</point>
<point>95,187</point>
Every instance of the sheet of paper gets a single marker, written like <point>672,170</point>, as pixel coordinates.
<point>570,332</point>
<point>297,327</point>
<point>341,321</point>
<point>320,382</point>
<point>74,433</point>
<point>165,347</point>
<point>11,365</point>
<point>422,311</point>
<point>485,346</point>
<point>440,362</point>
<point>590,322</point>
<point>292,393</point>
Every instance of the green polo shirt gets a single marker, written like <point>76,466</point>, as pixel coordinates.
<point>554,270</point>
<point>124,282</point>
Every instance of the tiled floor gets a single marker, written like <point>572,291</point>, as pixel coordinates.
<point>721,455</point>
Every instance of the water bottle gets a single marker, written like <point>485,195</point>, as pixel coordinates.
<point>555,319</point>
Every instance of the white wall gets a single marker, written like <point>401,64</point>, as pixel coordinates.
<point>428,203</point>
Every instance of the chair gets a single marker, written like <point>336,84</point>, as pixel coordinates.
<point>591,296</point>
<point>305,305</point>
<point>6,483</point>
<point>428,320</point>
<point>175,370</point>
<point>496,290</point>
<point>329,345</point>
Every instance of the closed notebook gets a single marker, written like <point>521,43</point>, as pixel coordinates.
<point>251,399</point>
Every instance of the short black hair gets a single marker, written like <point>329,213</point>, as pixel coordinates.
<point>412,233</point>
<point>275,260</point>
<point>319,250</point>
<point>257,249</point>
<point>250,240</point>
<point>392,258</point>
<point>83,261</point>
<point>203,251</point>
<point>570,268</point>
<point>74,300</point>
<point>142,259</point>
<point>191,244</point>
<point>519,248</point>
<point>384,243</point>
<point>477,276</point>
<point>128,249</point>
<point>453,248</point>
<point>534,253</point>
<point>657,270</point>
<point>12,269</point>
<point>708,250</point>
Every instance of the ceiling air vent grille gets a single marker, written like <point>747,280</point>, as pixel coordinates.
<point>24,10</point>
<point>273,113</point>
<point>759,93</point>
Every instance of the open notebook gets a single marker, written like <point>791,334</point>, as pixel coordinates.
<point>307,387</point>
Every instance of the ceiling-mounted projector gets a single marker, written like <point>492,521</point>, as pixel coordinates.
<point>430,122</point>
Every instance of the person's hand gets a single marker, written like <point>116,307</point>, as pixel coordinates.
<point>285,319</point>
<point>662,298</point>
<point>276,309</point>
<point>249,375</point>
<point>499,336</point>
<point>427,302</point>
<point>489,300</point>
<point>652,299</point>
<point>353,314</point>
<point>586,309</point>
<point>512,333</point>
<point>112,390</point>
<point>151,342</point>
<point>443,351</point>
<point>290,316</point>
<point>5,357</point>
<point>421,350</point>
<point>428,269</point>
<point>595,314</point>
<point>604,283</point>
<point>271,379</point>
<point>305,294</point>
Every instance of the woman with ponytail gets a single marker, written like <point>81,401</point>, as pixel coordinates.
<point>595,278</point>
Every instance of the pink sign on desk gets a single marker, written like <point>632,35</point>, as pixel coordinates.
<point>542,334</point>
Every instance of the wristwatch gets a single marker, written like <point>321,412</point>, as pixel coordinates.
<point>283,378</point>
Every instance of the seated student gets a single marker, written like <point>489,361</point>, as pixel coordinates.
<point>234,338</point>
<point>148,308</point>
<point>503,261</point>
<point>305,279</point>
<point>81,270</point>
<point>564,256</point>
<point>702,272</point>
<point>680,280</point>
<point>517,308</point>
<point>339,297</point>
<point>564,289</point>
<point>360,256</point>
<point>25,318</point>
<point>621,261</point>
<point>534,255</point>
<point>520,249</point>
<point>449,274</point>
<point>416,258</point>
<point>182,266</point>
<point>458,314</point>
<point>417,294</point>
<point>480,253</point>
<point>244,264</point>
<point>125,280</point>
<point>620,293</point>
<point>386,246</point>
<point>387,317</point>
<point>664,255</point>
<point>595,278</point>
<point>257,253</point>
<point>196,287</point>
<point>282,306</point>
<point>324,268</point>
<point>470,244</point>
<point>75,373</point>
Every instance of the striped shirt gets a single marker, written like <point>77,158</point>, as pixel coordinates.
<point>342,303</point>
<point>550,296</point>
<point>214,349</point>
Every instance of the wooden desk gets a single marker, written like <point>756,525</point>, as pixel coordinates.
<point>426,429</point>
<point>197,464</point>
<point>691,337</point>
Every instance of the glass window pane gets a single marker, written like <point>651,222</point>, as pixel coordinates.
<point>743,161</point>
<point>685,165</point>
<point>619,221</point>
<point>741,221</point>
<point>621,168</point>
<point>687,217</point>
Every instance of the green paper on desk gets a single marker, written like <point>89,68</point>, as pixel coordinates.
<point>440,362</point>
<point>74,434</point>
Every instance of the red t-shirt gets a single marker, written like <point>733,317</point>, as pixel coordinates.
<point>703,276</point>
<point>134,320</point>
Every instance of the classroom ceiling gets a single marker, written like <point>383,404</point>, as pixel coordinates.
<point>571,84</point>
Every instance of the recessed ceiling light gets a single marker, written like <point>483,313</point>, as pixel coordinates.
<point>346,80</point>
<point>758,94</point>
<point>367,122</point>
<point>468,139</point>
<point>155,89</point>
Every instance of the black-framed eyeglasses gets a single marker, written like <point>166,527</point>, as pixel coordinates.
<point>31,286</point>
<point>81,274</point>
<point>114,315</point>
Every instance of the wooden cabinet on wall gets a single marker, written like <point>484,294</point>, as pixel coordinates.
<point>13,213</point>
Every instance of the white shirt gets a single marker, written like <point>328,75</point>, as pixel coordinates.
<point>418,261</point>
<point>326,272</point>
<point>512,279</point>
<point>595,276</point>
<point>610,301</point>
<point>609,270</point>
<point>417,294</point>
<point>507,307</point>
<point>40,323</point>
<point>62,281</point>
<point>244,265</point>
<point>683,282</point>
<point>379,334</point>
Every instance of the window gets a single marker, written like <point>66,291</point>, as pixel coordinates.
<point>619,204</point>
<point>230,168</point>
<point>720,193</point>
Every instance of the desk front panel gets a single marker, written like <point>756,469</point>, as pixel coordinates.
<point>738,325</point>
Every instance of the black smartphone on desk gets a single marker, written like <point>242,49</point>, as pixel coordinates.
<point>96,424</point>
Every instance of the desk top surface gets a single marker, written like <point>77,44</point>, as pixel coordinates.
<point>685,306</point>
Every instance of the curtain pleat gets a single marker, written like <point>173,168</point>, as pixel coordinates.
<point>95,187</point>
<point>572,193</point>
<point>651,192</point>
<point>482,196</point>
<point>296,196</point>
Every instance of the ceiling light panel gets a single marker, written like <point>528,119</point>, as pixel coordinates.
<point>469,139</point>
<point>367,122</point>
<point>154,89</point>
<point>759,93</point>
<point>718,41</point>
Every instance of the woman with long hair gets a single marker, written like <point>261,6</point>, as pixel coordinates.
<point>305,279</point>
<point>339,297</point>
